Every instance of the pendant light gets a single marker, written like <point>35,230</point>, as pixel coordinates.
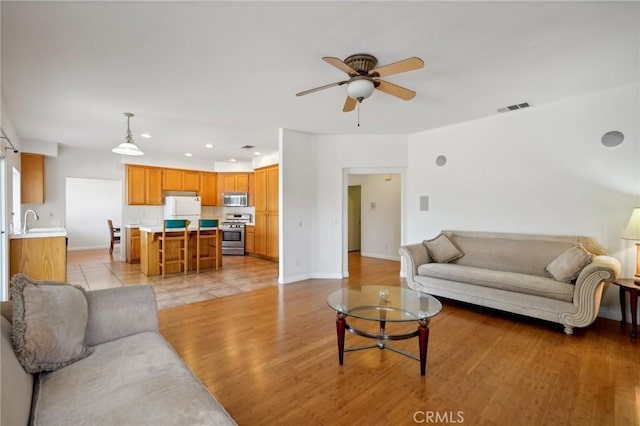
<point>128,147</point>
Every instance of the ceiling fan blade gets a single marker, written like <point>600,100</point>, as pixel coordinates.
<point>349,104</point>
<point>338,63</point>
<point>395,90</point>
<point>317,89</point>
<point>405,65</point>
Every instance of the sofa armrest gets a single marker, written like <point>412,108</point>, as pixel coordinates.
<point>414,256</point>
<point>119,312</point>
<point>588,290</point>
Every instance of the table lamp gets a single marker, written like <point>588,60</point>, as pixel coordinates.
<point>632,232</point>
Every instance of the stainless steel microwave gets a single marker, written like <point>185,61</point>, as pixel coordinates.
<point>234,199</point>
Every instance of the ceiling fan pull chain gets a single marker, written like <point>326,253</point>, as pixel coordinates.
<point>359,114</point>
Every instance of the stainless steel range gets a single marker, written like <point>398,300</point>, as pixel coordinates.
<point>232,229</point>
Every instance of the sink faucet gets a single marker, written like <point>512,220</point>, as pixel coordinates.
<point>24,226</point>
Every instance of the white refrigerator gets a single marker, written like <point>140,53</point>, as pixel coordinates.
<point>176,207</point>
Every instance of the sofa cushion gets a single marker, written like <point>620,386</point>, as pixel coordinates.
<point>526,256</point>
<point>568,265</point>
<point>442,250</point>
<point>16,385</point>
<point>511,281</point>
<point>49,321</point>
<point>135,380</point>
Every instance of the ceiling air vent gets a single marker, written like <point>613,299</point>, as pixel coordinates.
<point>514,107</point>
<point>247,147</point>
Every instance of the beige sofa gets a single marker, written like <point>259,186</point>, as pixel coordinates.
<point>133,376</point>
<point>507,272</point>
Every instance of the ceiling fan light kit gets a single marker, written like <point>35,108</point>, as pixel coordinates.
<point>364,78</point>
<point>128,147</point>
<point>360,88</point>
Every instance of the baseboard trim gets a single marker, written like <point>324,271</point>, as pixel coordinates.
<point>294,279</point>
<point>87,248</point>
<point>380,256</point>
<point>326,276</point>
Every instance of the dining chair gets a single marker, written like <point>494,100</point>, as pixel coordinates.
<point>115,235</point>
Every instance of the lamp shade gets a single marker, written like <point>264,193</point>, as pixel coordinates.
<point>360,88</point>
<point>632,231</point>
<point>127,148</point>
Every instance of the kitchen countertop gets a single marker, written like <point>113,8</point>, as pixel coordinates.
<point>51,232</point>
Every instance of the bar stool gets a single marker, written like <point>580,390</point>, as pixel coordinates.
<point>210,237</point>
<point>174,230</point>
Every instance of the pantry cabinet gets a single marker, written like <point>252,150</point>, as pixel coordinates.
<point>267,216</point>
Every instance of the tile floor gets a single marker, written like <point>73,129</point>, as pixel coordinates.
<point>95,269</point>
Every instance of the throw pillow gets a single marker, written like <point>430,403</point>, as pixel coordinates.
<point>567,266</point>
<point>49,321</point>
<point>442,250</point>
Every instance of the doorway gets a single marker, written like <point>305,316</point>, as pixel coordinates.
<point>89,204</point>
<point>374,226</point>
<point>355,217</point>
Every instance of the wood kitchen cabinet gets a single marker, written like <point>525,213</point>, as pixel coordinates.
<point>43,258</point>
<point>266,203</point>
<point>180,180</point>
<point>172,180</point>
<point>208,188</point>
<point>133,245</point>
<point>249,239</point>
<point>144,185</point>
<point>233,182</point>
<point>191,180</point>
<point>32,178</point>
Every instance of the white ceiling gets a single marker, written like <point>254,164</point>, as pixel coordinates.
<point>226,73</point>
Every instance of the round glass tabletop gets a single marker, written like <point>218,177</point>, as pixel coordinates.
<point>382,303</point>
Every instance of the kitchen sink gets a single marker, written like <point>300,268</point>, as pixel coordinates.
<point>45,230</point>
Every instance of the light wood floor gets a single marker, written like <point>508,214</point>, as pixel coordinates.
<point>270,357</point>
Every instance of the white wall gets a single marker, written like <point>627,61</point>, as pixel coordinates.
<point>89,204</point>
<point>539,170</point>
<point>297,204</point>
<point>321,166</point>
<point>380,223</point>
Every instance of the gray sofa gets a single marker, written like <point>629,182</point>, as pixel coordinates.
<point>507,272</point>
<point>133,377</point>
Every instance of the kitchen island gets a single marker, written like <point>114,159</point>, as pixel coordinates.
<point>149,256</point>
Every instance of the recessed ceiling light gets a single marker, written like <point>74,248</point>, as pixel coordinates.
<point>209,145</point>
<point>233,160</point>
<point>188,154</point>
<point>145,135</point>
<point>256,153</point>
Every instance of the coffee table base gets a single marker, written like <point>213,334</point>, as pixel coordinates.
<point>422,332</point>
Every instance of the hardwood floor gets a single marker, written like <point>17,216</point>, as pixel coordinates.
<point>270,357</point>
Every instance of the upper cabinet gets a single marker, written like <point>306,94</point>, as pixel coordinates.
<point>32,178</point>
<point>191,180</point>
<point>180,180</point>
<point>144,185</point>
<point>233,182</point>
<point>172,180</point>
<point>208,188</point>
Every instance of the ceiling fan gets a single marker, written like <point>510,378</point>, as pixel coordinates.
<point>364,77</point>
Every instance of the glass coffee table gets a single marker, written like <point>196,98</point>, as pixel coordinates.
<point>384,304</point>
